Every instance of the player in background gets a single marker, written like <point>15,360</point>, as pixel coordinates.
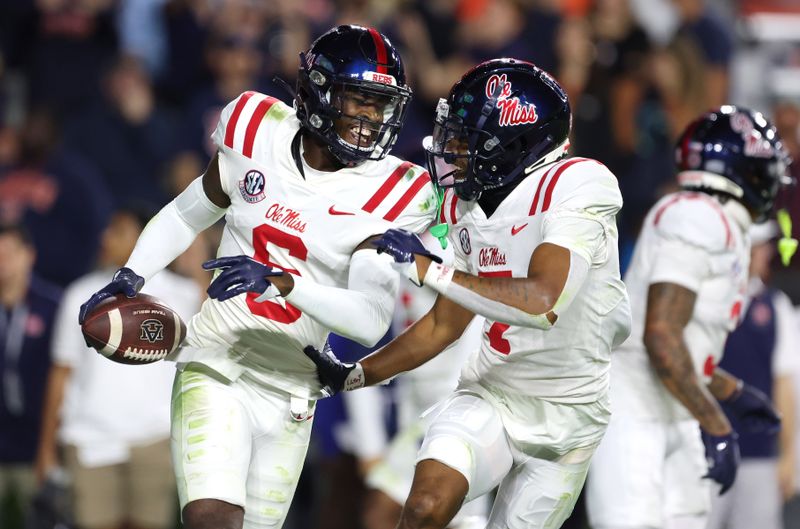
<point>535,243</point>
<point>687,282</point>
<point>301,192</point>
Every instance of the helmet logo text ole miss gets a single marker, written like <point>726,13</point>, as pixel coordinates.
<point>512,110</point>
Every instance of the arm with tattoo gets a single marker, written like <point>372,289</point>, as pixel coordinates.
<point>669,309</point>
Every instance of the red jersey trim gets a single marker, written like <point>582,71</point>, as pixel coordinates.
<point>387,187</point>
<point>401,204</point>
<point>453,203</point>
<point>548,195</point>
<point>442,218</point>
<point>230,128</point>
<point>697,196</point>
<point>255,122</point>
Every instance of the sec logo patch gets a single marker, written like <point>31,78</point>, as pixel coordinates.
<point>252,187</point>
<point>463,237</point>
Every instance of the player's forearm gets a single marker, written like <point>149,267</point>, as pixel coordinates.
<point>361,312</point>
<point>554,278</point>
<point>415,346</point>
<point>723,385</point>
<point>673,365</point>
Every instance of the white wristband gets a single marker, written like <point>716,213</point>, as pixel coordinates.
<point>439,277</point>
<point>355,379</point>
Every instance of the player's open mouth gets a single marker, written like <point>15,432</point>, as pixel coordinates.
<point>359,136</point>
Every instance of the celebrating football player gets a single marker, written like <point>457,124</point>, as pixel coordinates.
<point>535,243</point>
<point>301,192</point>
<point>687,282</point>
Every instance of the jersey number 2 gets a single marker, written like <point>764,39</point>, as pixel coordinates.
<point>261,236</point>
<point>495,334</point>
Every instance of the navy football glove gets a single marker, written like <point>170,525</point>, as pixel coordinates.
<point>240,274</point>
<point>333,374</point>
<point>754,410</point>
<point>722,454</point>
<point>125,281</point>
<point>402,245</point>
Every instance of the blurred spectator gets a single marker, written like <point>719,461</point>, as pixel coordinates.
<point>27,310</point>
<point>234,61</point>
<point>762,352</point>
<point>142,33</point>
<point>503,28</point>
<point>61,198</point>
<point>114,418</point>
<point>126,134</point>
<point>786,114</point>
<point>714,41</point>
<point>605,125</point>
<point>74,41</point>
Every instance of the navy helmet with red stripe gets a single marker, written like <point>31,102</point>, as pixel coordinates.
<point>360,64</point>
<point>502,120</point>
<point>735,152</point>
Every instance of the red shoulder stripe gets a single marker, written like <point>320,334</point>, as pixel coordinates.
<point>697,196</point>
<point>548,195</point>
<point>230,128</point>
<point>380,50</point>
<point>387,187</point>
<point>255,122</point>
<point>539,189</point>
<point>418,184</point>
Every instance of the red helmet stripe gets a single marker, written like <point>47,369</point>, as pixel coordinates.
<point>380,50</point>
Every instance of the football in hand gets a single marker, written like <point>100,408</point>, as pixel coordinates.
<point>136,330</point>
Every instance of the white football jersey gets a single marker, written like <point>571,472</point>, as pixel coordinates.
<point>689,239</point>
<point>306,226</point>
<point>568,363</point>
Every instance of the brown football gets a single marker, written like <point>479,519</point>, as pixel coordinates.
<point>136,330</point>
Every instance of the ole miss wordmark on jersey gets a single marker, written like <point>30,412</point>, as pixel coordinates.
<point>569,362</point>
<point>304,227</point>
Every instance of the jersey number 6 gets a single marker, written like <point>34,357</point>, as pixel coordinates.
<point>262,235</point>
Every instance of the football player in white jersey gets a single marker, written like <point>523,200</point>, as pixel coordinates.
<point>535,243</point>
<point>687,282</point>
<point>302,191</point>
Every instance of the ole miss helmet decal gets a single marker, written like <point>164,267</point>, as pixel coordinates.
<point>512,110</point>
<point>252,187</point>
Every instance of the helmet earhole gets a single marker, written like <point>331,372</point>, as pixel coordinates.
<point>317,78</point>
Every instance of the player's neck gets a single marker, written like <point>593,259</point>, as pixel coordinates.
<point>317,156</point>
<point>490,200</point>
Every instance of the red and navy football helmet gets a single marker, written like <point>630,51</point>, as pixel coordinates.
<point>501,121</point>
<point>735,152</point>
<point>352,61</point>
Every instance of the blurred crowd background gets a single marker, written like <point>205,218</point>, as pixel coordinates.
<point>106,107</point>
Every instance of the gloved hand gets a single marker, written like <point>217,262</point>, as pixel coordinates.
<point>335,375</point>
<point>754,410</point>
<point>125,281</point>
<point>402,245</point>
<point>241,274</point>
<point>722,454</point>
